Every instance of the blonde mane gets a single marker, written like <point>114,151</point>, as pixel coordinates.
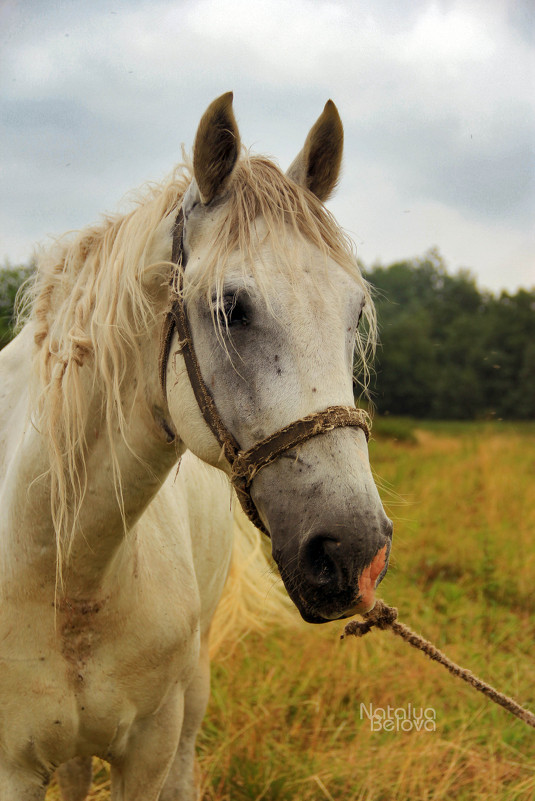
<point>89,306</point>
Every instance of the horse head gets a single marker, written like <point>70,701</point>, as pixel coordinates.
<point>273,297</point>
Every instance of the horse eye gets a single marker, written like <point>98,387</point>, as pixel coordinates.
<point>359,318</point>
<point>234,312</point>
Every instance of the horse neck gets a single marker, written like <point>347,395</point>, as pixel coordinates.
<point>124,468</point>
<point>123,471</point>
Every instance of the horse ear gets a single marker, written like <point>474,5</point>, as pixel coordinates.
<point>216,148</point>
<point>317,166</point>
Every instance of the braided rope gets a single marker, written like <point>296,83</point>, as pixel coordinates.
<point>248,463</point>
<point>384,617</point>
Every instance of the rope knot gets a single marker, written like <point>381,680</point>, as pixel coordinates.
<point>382,616</point>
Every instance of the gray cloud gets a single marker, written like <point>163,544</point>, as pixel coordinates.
<point>437,101</point>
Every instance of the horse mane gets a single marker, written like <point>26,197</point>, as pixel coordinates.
<point>90,304</point>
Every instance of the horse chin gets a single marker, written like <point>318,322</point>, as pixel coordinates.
<point>309,617</point>
<point>314,616</point>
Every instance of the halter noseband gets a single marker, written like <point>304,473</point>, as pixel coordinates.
<point>244,464</point>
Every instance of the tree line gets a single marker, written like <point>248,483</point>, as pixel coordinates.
<point>11,279</point>
<point>447,350</point>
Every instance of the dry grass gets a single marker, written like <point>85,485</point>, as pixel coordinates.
<point>284,719</point>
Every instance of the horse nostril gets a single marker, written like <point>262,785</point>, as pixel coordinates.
<point>320,560</point>
<point>388,528</point>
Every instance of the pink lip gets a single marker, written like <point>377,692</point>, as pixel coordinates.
<point>367,581</point>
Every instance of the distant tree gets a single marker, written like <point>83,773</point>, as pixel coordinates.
<point>11,279</point>
<point>406,365</point>
<point>525,387</point>
<point>448,350</point>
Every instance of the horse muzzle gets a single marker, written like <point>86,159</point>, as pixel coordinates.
<point>334,578</point>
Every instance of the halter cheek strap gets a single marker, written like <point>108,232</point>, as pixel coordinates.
<point>244,464</point>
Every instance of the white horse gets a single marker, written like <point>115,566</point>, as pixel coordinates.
<point>109,573</point>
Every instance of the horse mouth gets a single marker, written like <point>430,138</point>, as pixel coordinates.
<point>311,615</point>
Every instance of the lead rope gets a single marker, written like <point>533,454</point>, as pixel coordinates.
<point>384,617</point>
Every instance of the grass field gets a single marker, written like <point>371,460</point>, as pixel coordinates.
<point>284,721</point>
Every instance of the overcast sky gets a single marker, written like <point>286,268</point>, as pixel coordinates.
<point>437,100</point>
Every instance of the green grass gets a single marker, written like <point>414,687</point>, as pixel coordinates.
<point>284,717</point>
